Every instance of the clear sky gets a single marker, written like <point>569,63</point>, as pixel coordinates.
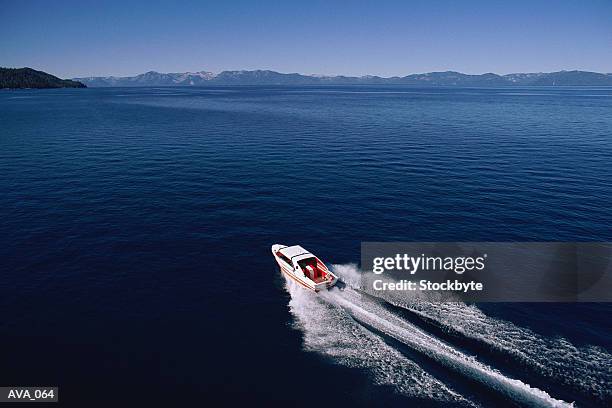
<point>83,38</point>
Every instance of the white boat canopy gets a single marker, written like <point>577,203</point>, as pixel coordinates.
<point>293,251</point>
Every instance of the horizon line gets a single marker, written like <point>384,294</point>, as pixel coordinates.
<point>337,75</point>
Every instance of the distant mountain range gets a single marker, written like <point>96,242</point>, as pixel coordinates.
<point>265,77</point>
<point>30,78</point>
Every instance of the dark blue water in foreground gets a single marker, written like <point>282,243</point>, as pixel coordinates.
<point>135,227</point>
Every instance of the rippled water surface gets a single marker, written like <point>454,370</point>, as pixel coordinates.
<point>136,225</point>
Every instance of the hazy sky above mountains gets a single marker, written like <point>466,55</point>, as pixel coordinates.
<point>82,38</point>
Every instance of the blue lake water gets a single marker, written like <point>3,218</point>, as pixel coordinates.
<point>136,224</point>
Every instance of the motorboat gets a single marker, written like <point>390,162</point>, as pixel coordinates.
<point>303,267</point>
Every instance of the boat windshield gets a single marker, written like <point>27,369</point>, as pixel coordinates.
<point>283,257</point>
<point>308,262</point>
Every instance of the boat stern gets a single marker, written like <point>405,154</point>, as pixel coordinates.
<point>328,284</point>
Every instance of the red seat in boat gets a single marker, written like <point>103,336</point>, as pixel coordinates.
<point>310,271</point>
<point>318,272</point>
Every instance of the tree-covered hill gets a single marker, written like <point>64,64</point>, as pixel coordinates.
<point>30,78</point>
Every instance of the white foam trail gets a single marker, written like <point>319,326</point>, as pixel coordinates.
<point>329,330</point>
<point>349,273</point>
<point>379,318</point>
<point>587,368</point>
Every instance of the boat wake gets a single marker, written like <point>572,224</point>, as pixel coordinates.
<point>330,330</point>
<point>427,350</point>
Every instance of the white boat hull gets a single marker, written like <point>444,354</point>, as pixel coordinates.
<point>297,275</point>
